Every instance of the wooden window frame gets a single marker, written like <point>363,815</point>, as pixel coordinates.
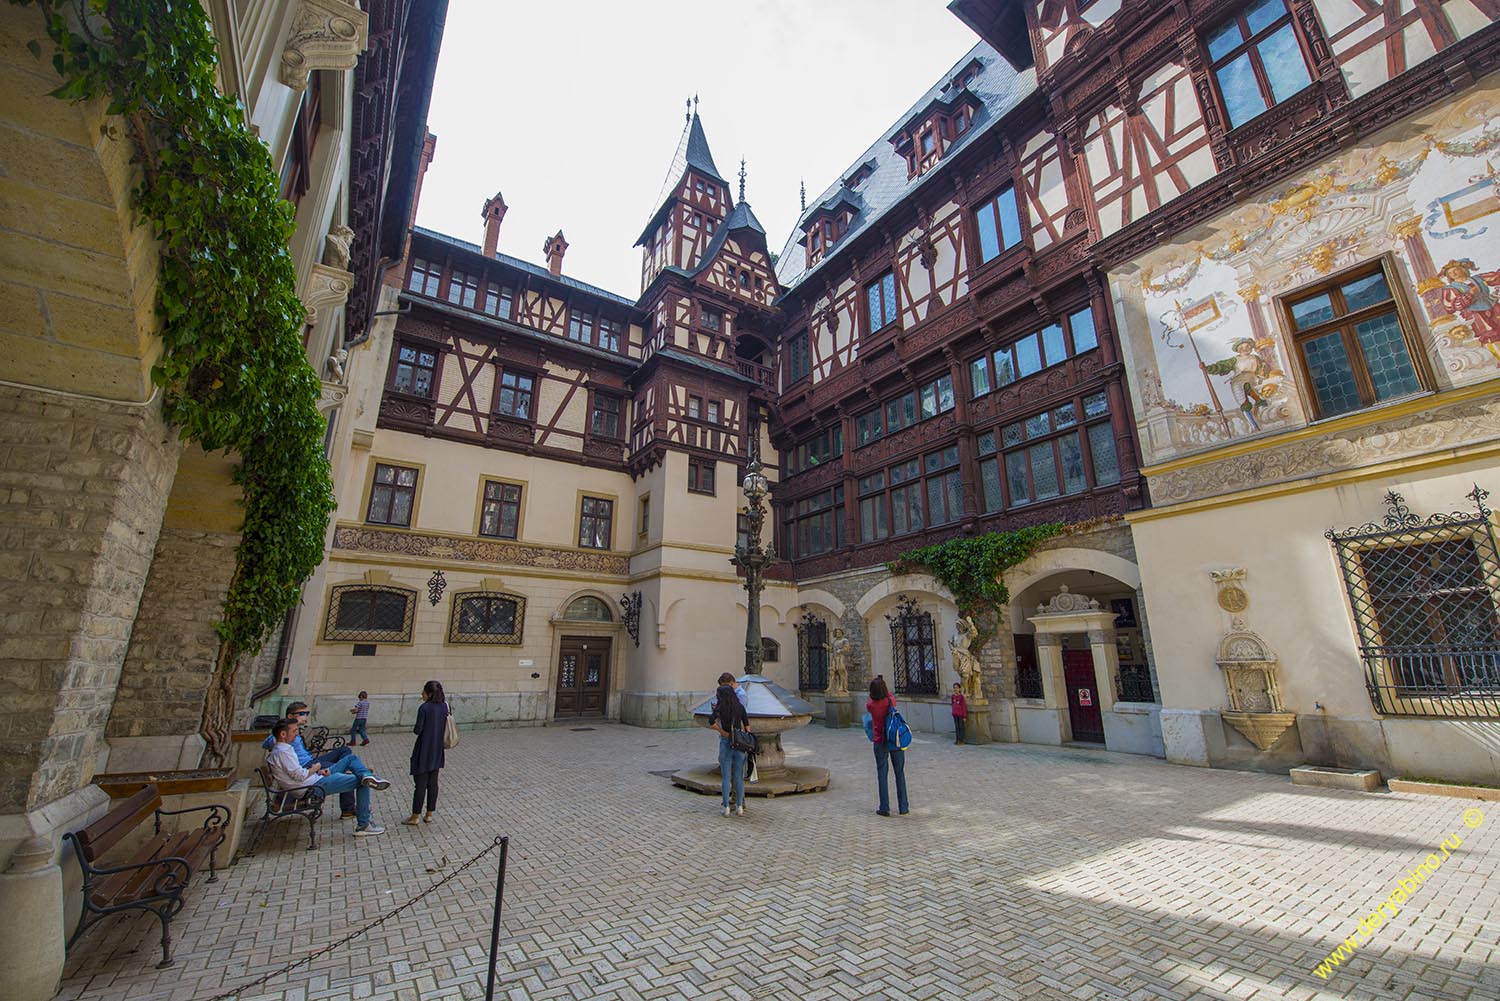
<point>467,287</point>
<point>434,371</point>
<point>1250,42</point>
<point>501,503</point>
<point>890,312</point>
<point>991,204</point>
<point>595,410</point>
<point>830,514</point>
<point>1345,324</point>
<point>794,372</point>
<point>581,322</point>
<point>531,393</point>
<point>701,476</point>
<point>504,297</point>
<point>610,330</point>
<point>396,488</point>
<point>432,277</point>
<point>587,518</point>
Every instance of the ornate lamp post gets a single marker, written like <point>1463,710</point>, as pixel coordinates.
<point>753,558</point>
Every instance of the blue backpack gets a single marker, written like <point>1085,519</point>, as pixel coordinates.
<point>897,733</point>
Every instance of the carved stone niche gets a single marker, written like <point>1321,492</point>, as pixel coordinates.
<point>1065,602</point>
<point>325,35</point>
<point>1249,667</point>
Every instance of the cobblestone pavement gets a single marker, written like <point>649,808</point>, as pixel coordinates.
<point>1022,872</point>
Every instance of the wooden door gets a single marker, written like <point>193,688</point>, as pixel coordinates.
<point>582,676</point>
<point>1083,696</point>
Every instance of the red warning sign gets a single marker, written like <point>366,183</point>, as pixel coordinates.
<point>1085,697</point>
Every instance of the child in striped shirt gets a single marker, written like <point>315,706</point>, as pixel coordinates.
<point>361,713</point>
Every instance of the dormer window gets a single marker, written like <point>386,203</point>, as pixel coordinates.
<point>929,143</point>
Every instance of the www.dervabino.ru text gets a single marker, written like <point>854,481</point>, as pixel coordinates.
<point>1392,904</point>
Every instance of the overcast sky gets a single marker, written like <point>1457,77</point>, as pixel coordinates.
<point>573,108</point>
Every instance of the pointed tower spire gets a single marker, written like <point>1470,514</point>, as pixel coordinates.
<point>687,115</point>
<point>802,197</point>
<point>742,178</point>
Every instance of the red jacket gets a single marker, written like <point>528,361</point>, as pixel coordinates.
<point>878,711</point>
<point>960,707</point>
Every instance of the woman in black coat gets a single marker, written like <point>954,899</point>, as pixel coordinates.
<point>427,752</point>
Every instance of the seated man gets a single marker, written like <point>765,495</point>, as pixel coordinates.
<point>288,775</point>
<point>340,759</point>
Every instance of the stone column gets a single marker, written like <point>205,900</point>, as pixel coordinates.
<point>1106,665</point>
<point>1047,725</point>
<point>31,923</point>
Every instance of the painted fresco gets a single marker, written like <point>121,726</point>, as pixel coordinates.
<point>1204,333</point>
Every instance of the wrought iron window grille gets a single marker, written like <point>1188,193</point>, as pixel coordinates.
<point>1133,683</point>
<point>812,653</point>
<point>913,652</point>
<point>1028,682</point>
<point>369,613</point>
<point>487,617</point>
<point>1424,593</point>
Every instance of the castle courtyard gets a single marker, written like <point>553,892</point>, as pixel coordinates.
<point>1022,872</point>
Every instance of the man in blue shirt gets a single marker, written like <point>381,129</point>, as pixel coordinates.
<point>337,761</point>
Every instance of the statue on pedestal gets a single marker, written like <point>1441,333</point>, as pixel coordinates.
<point>838,665</point>
<point>965,664</point>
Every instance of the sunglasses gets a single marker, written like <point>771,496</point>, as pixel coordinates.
<point>303,712</point>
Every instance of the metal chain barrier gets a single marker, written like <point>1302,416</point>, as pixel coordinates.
<point>360,931</point>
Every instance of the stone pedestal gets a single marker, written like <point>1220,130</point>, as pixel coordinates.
<point>977,726</point>
<point>838,711</point>
<point>31,924</point>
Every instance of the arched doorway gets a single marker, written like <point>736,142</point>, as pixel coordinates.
<point>583,658</point>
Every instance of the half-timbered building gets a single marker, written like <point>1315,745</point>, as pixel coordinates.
<point>1294,206</point>
<point>1201,281</point>
<point>550,477</point>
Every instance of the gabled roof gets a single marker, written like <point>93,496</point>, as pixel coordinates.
<point>843,198</point>
<point>535,270</point>
<point>692,152</point>
<point>998,88</point>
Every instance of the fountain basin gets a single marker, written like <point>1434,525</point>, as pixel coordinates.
<point>773,711</point>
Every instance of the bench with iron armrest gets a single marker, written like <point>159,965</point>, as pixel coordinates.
<point>318,741</point>
<point>156,876</point>
<point>306,802</point>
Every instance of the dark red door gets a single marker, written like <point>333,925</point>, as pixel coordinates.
<point>1083,696</point>
<point>582,676</point>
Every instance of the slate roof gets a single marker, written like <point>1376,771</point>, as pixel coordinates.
<point>692,151</point>
<point>998,87</point>
<point>527,266</point>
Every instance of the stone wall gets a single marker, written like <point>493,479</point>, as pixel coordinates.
<point>173,646</point>
<point>83,486</point>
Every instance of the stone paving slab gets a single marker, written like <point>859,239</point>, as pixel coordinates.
<point>1022,873</point>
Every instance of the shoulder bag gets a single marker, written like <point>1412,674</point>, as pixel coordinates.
<point>450,732</point>
<point>743,740</point>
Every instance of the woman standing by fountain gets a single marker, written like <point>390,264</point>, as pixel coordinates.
<point>729,715</point>
<point>879,707</point>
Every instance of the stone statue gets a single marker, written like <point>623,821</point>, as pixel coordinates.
<point>838,665</point>
<point>964,662</point>
<point>336,246</point>
<point>336,362</point>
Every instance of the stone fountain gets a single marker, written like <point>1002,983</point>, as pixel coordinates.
<point>772,709</point>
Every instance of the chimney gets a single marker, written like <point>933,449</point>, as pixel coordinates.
<point>494,213</point>
<point>554,248</point>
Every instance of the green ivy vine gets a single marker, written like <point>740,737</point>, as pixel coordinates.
<point>233,373</point>
<point>973,567</point>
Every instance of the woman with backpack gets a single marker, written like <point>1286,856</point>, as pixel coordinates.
<point>728,716</point>
<point>880,707</point>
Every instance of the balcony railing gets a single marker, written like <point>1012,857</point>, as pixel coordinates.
<point>761,374</point>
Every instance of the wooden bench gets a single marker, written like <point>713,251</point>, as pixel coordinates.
<point>306,802</point>
<point>156,876</point>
